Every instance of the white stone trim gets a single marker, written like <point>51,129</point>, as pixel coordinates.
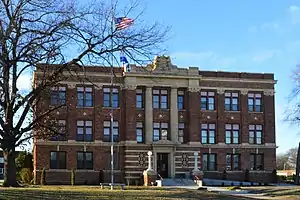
<point>194,89</point>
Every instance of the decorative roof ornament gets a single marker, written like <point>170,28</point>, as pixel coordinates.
<point>161,63</point>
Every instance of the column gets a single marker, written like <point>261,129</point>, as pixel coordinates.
<point>174,116</point>
<point>148,116</point>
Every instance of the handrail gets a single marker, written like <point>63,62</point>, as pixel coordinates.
<point>161,178</point>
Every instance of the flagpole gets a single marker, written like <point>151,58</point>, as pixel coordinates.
<point>111,100</point>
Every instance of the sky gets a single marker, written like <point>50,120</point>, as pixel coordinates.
<point>234,35</point>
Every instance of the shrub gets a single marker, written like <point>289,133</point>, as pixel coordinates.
<point>26,175</point>
<point>247,175</point>
<point>224,175</point>
<point>43,177</point>
<point>73,176</point>
<point>234,188</point>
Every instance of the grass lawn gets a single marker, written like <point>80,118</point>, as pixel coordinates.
<point>85,192</point>
<point>279,192</point>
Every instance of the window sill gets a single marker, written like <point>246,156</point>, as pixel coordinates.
<point>256,112</point>
<point>232,111</point>
<point>59,106</point>
<point>110,108</point>
<point>79,107</point>
<point>85,170</point>
<point>161,109</point>
<point>234,171</point>
<point>140,109</point>
<point>181,110</point>
<point>208,110</point>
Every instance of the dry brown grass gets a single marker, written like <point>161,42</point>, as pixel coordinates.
<point>85,192</point>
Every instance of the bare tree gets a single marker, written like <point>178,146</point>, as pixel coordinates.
<point>287,160</point>
<point>68,34</point>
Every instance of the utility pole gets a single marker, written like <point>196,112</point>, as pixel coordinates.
<point>111,100</point>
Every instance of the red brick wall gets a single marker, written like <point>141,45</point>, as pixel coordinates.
<point>192,116</point>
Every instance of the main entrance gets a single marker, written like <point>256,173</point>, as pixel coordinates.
<point>162,164</point>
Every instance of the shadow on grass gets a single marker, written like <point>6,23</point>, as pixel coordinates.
<point>152,194</point>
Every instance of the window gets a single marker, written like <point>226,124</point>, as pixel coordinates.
<point>139,98</point>
<point>233,162</point>
<point>85,160</point>
<point>160,99</point>
<point>1,171</point>
<point>207,100</point>
<point>232,133</point>
<point>58,96</point>
<point>1,160</point>
<point>107,99</point>
<point>160,131</point>
<point>254,102</point>
<point>256,161</point>
<point>85,131</point>
<point>84,96</point>
<point>58,160</point>
<point>208,133</point>
<point>107,131</point>
<point>61,131</point>
<point>180,100</point>
<point>180,132</point>
<point>255,134</point>
<point>209,162</point>
<point>139,132</point>
<point>231,101</point>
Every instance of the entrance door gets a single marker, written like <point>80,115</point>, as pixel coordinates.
<point>162,164</point>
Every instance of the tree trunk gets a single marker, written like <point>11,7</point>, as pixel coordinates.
<point>297,178</point>
<point>10,168</point>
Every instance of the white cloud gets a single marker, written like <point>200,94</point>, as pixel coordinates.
<point>24,82</point>
<point>293,9</point>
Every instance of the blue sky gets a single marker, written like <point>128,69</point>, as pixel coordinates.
<point>234,35</point>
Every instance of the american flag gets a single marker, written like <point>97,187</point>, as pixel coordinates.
<point>123,22</point>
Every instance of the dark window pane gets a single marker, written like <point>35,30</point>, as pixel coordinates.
<point>62,160</point>
<point>53,160</point>
<point>80,160</point>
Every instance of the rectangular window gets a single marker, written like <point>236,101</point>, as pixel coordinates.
<point>84,131</point>
<point>231,101</point>
<point>107,100</point>
<point>1,171</point>
<point>139,98</point>
<point>208,133</point>
<point>160,99</point>
<point>61,131</point>
<point>58,160</point>
<point>1,160</point>
<point>255,134</point>
<point>209,162</point>
<point>139,132</point>
<point>232,133</point>
<point>58,96</point>
<point>207,100</point>
<point>256,162</point>
<point>85,160</point>
<point>160,131</point>
<point>254,102</point>
<point>84,96</point>
<point>180,100</point>
<point>107,131</point>
<point>233,162</point>
<point>180,132</point>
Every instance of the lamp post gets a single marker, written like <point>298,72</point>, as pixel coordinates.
<point>149,161</point>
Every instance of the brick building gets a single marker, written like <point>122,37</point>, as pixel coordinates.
<point>227,117</point>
